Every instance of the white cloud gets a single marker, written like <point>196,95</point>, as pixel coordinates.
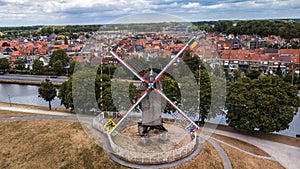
<point>217,6</point>
<point>191,5</point>
<point>28,12</point>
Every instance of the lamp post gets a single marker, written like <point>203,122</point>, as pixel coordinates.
<point>67,69</point>
<point>293,70</point>
<point>9,100</point>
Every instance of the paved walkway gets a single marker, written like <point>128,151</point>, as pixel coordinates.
<point>56,118</point>
<point>288,156</point>
<point>247,152</point>
<point>222,153</point>
<point>35,111</point>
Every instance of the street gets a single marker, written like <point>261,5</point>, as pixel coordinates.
<point>32,78</point>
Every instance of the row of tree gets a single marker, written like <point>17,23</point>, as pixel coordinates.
<point>72,31</point>
<point>290,77</point>
<point>285,28</point>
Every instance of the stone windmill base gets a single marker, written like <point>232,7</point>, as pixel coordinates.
<point>125,143</point>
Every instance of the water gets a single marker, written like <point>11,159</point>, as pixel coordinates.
<point>294,126</point>
<point>24,94</point>
<point>293,129</point>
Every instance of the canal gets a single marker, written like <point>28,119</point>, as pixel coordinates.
<point>24,94</point>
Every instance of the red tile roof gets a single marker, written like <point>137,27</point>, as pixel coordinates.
<point>290,51</point>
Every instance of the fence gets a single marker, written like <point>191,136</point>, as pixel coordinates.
<point>149,157</point>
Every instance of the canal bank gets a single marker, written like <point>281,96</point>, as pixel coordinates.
<point>31,79</point>
<point>26,82</point>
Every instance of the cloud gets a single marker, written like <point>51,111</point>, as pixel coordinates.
<point>217,6</point>
<point>33,12</point>
<point>192,5</point>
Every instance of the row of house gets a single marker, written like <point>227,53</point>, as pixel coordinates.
<point>265,60</point>
<point>248,42</point>
<point>28,50</point>
<point>235,52</point>
<point>234,57</point>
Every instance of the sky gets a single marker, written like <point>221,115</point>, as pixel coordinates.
<point>63,12</point>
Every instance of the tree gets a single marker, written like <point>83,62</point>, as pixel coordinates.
<point>222,26</point>
<point>5,44</point>
<point>19,64</point>
<point>171,90</point>
<point>59,55</point>
<point>58,67</point>
<point>236,74</point>
<point>37,67</point>
<point>65,94</point>
<point>266,104</point>
<point>279,71</point>
<point>47,91</point>
<point>71,95</point>
<point>84,89</point>
<point>191,61</point>
<point>121,96</point>
<point>205,93</point>
<point>292,77</point>
<point>133,93</point>
<point>72,66</point>
<point>4,64</point>
<point>66,40</point>
<point>295,45</point>
<point>252,74</point>
<point>108,101</point>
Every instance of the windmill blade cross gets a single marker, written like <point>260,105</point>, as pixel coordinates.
<point>131,108</point>
<point>152,84</point>
<point>176,107</point>
<point>172,61</point>
<point>128,67</point>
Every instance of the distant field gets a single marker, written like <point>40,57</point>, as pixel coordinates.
<point>57,144</point>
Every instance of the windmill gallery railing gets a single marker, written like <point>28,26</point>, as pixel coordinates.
<point>146,157</point>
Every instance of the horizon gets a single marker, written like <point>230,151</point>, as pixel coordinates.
<point>82,24</point>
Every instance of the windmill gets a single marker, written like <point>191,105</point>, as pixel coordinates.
<point>124,123</point>
<point>150,83</point>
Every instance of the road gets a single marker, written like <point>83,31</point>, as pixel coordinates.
<point>31,78</point>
